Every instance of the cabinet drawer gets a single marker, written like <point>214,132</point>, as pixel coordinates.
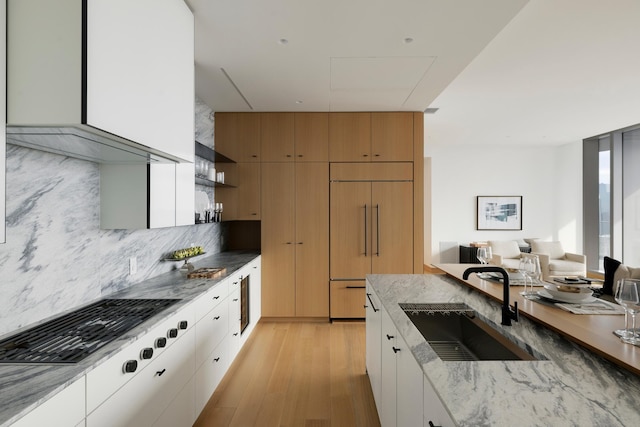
<point>209,375</point>
<point>211,299</point>
<point>143,399</point>
<point>109,376</point>
<point>347,299</point>
<point>210,331</point>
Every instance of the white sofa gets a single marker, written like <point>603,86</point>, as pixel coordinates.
<point>505,253</point>
<point>555,262</point>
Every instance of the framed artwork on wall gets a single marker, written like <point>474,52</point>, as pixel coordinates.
<point>499,213</point>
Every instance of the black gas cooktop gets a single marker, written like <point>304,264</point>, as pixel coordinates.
<point>74,336</point>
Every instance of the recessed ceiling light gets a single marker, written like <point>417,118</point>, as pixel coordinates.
<point>283,41</point>
<point>298,102</point>
<point>407,40</point>
<point>431,110</point>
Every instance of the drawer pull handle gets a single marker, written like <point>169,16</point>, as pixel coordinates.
<point>395,350</point>
<point>235,299</point>
<point>235,335</point>
<point>375,310</point>
<point>216,359</point>
<point>355,287</point>
<point>216,297</point>
<point>390,337</point>
<point>216,318</point>
<point>159,373</point>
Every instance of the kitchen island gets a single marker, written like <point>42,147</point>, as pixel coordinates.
<point>568,384</point>
<point>24,387</point>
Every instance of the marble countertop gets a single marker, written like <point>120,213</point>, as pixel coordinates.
<point>24,387</point>
<point>568,385</point>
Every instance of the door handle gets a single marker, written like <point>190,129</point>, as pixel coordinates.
<point>365,231</point>
<point>377,230</point>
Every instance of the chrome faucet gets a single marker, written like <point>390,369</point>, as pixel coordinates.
<point>507,312</point>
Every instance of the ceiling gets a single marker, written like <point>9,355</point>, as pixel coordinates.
<point>499,71</point>
<point>337,55</point>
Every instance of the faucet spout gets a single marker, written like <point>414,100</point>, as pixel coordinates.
<point>507,312</point>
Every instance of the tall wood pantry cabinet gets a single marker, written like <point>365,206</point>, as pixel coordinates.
<point>320,174</point>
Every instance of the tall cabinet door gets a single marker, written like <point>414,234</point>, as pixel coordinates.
<point>278,240</point>
<point>392,227</point>
<point>312,239</point>
<point>350,237</point>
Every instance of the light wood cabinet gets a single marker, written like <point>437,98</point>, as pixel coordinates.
<point>349,137</point>
<point>392,136</point>
<point>295,243</point>
<point>312,240</point>
<point>371,137</point>
<point>241,200</point>
<point>237,136</point>
<point>346,298</point>
<point>276,137</point>
<point>371,216</point>
<point>278,240</point>
<point>311,137</point>
<point>248,191</point>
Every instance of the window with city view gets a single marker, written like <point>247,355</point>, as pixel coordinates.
<point>611,197</point>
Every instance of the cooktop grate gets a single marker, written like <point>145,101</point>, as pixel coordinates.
<point>74,336</point>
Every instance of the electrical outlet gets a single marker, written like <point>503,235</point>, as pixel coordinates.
<point>133,266</point>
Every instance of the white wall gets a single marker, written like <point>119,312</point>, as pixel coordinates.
<point>548,178</point>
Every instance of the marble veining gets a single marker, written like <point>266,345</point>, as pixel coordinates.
<point>204,123</point>
<point>56,256</point>
<point>23,388</point>
<point>572,386</point>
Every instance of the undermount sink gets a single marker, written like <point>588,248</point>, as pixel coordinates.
<point>456,334</point>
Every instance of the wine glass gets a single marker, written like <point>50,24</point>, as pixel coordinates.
<point>534,272</point>
<point>488,255</point>
<point>627,296</point>
<point>481,254</point>
<point>523,268</point>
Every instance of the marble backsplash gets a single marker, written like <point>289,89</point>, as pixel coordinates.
<point>56,256</point>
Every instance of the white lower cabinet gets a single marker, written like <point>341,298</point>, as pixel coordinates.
<point>374,350</point>
<point>234,319</point>
<point>435,414</point>
<point>387,408</point>
<point>174,380</point>
<point>182,411</point>
<point>209,375</point>
<point>142,400</point>
<point>409,389</point>
<point>405,397</point>
<point>64,409</point>
<point>211,330</point>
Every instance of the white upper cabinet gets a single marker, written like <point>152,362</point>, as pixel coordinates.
<point>119,73</point>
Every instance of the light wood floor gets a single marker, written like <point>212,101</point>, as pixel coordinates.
<point>296,374</point>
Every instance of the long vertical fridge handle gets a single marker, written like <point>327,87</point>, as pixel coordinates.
<point>365,231</point>
<point>378,230</point>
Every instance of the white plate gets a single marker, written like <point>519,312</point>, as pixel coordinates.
<point>553,289</point>
<point>575,298</point>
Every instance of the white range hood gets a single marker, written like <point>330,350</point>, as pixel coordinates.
<point>110,81</point>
